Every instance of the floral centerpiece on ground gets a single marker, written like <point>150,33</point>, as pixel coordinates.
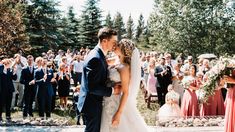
<point>223,68</point>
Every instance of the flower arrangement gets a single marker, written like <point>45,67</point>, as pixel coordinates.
<point>225,66</point>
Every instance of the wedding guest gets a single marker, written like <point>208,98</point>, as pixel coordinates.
<point>19,88</point>
<point>205,107</point>
<point>152,82</point>
<point>206,66</point>
<point>164,78</point>
<point>27,77</point>
<point>77,69</point>
<point>230,110</point>
<point>176,81</point>
<point>189,106</point>
<point>170,110</point>
<point>186,67</point>
<point>217,106</point>
<point>43,77</point>
<point>75,100</point>
<point>63,79</point>
<point>7,75</point>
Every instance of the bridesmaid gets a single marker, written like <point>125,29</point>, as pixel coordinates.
<point>230,107</point>
<point>189,106</point>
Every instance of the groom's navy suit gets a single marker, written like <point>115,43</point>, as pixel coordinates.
<point>93,88</point>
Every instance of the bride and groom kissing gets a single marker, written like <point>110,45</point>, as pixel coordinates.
<point>109,109</point>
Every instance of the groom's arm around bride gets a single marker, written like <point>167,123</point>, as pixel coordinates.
<point>94,78</point>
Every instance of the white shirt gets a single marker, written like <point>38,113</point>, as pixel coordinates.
<point>77,66</point>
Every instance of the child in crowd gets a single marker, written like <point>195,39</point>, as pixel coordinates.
<point>75,101</point>
<point>170,109</point>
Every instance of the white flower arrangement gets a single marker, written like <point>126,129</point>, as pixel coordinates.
<point>222,67</point>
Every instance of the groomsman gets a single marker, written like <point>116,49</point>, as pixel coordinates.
<point>164,76</point>
<point>27,77</point>
<point>7,75</point>
<point>43,77</point>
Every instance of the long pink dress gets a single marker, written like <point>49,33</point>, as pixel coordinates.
<point>230,110</point>
<point>151,83</point>
<point>214,105</point>
<point>189,105</point>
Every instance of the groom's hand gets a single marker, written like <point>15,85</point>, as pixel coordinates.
<point>117,89</point>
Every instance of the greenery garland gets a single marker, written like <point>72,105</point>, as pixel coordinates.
<point>223,66</point>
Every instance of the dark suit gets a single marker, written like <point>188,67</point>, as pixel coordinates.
<point>29,91</point>
<point>163,82</point>
<point>93,88</point>
<point>7,89</point>
<point>1,70</point>
<point>45,91</point>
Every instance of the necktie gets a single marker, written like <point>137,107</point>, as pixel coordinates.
<point>31,69</point>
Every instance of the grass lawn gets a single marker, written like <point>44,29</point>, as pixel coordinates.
<point>149,114</point>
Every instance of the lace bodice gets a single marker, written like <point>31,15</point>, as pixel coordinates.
<point>114,75</point>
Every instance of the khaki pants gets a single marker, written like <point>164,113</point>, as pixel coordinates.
<point>19,88</point>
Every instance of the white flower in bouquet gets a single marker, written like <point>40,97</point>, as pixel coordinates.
<point>200,95</point>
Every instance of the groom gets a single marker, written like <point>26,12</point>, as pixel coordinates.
<point>94,78</point>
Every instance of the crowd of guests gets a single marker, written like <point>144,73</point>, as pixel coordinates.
<point>177,83</point>
<point>33,83</point>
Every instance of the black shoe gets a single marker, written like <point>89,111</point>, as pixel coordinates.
<point>8,119</point>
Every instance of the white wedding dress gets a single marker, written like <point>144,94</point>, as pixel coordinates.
<point>131,120</point>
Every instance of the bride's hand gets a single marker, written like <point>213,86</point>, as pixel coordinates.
<point>116,119</point>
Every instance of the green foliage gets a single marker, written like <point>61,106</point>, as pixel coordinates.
<point>193,27</point>
<point>130,28</point>
<point>119,25</point>
<point>108,21</point>
<point>139,28</point>
<point>12,29</point>
<point>70,30</point>
<point>90,24</point>
<point>42,25</point>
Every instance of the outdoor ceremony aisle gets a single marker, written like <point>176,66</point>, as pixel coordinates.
<point>81,129</point>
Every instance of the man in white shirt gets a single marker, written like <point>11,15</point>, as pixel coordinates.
<point>77,69</point>
<point>19,88</point>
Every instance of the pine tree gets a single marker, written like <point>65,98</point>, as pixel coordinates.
<point>119,25</point>
<point>12,28</point>
<point>43,25</point>
<point>73,31</point>
<point>108,21</point>
<point>139,28</point>
<point>90,24</point>
<point>130,28</point>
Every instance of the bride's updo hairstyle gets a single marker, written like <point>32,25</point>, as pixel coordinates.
<point>127,47</point>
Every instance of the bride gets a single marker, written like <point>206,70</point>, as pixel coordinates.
<point>120,113</point>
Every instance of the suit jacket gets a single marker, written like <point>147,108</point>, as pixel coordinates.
<point>164,80</point>
<point>26,76</point>
<point>94,78</point>
<point>7,80</point>
<point>1,71</point>
<point>44,86</point>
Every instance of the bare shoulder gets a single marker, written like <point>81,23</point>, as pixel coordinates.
<point>124,68</point>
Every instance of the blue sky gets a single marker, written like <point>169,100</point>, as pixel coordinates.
<point>125,7</point>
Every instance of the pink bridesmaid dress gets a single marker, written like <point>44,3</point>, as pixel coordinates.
<point>189,105</point>
<point>214,105</point>
<point>230,110</point>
